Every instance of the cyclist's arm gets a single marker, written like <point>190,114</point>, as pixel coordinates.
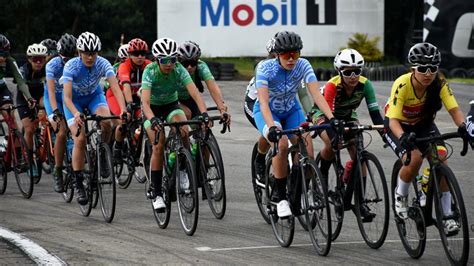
<point>123,74</point>
<point>146,94</point>
<point>319,99</point>
<point>264,99</point>
<point>117,92</point>
<point>305,100</point>
<point>194,93</point>
<point>52,93</point>
<point>67,94</point>
<point>451,105</point>
<point>372,104</point>
<point>216,94</point>
<point>22,86</point>
<point>127,92</point>
<point>456,115</point>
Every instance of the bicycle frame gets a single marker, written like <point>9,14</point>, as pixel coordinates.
<point>9,119</point>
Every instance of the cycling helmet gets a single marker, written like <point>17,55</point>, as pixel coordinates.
<point>37,50</point>
<point>122,52</point>
<point>271,46</point>
<point>67,45</point>
<point>189,51</point>
<point>88,42</point>
<point>424,54</point>
<point>287,41</point>
<point>164,47</point>
<point>4,43</point>
<point>137,45</point>
<point>348,58</point>
<point>50,45</point>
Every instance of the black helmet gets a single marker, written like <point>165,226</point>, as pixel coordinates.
<point>287,41</point>
<point>4,43</point>
<point>424,54</point>
<point>189,50</point>
<point>51,45</point>
<point>67,45</point>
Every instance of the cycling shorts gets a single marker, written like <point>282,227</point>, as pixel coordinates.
<point>5,94</point>
<point>115,107</point>
<point>165,112</point>
<point>248,110</point>
<point>92,102</point>
<point>191,104</point>
<point>287,120</point>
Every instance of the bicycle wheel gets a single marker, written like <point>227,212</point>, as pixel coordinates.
<point>3,176</point>
<point>121,168</point>
<point>162,217</point>
<point>22,165</point>
<point>37,160</point>
<point>68,192</point>
<point>283,228</point>
<point>106,182</point>
<point>371,193</point>
<point>456,245</point>
<point>258,188</point>
<point>412,231</point>
<point>47,158</point>
<point>89,172</point>
<point>316,208</point>
<point>213,178</point>
<point>335,198</point>
<point>138,155</point>
<point>146,156</point>
<point>186,191</point>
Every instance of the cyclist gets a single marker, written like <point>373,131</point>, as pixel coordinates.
<point>34,73</point>
<point>51,45</point>
<point>277,82</point>
<point>251,98</point>
<point>414,101</point>
<point>53,102</point>
<point>188,55</point>
<point>129,74</point>
<point>344,93</point>
<point>159,97</point>
<point>81,77</point>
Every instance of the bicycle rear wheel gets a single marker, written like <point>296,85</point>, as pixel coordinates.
<point>283,227</point>
<point>162,217</point>
<point>456,245</point>
<point>186,191</point>
<point>258,188</point>
<point>371,193</point>
<point>212,174</point>
<point>22,165</point>
<point>412,231</point>
<point>47,158</point>
<point>3,176</point>
<point>89,172</point>
<point>68,191</point>
<point>316,208</point>
<point>121,168</point>
<point>37,160</point>
<point>106,182</point>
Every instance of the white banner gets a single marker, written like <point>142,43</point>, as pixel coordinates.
<point>232,28</point>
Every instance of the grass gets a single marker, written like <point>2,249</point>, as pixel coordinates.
<point>461,80</point>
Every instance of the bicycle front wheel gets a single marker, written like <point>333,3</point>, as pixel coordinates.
<point>187,191</point>
<point>89,172</point>
<point>121,168</point>
<point>316,208</point>
<point>68,191</point>
<point>258,187</point>
<point>456,242</point>
<point>22,165</point>
<point>371,201</point>
<point>47,157</point>
<point>106,182</point>
<point>212,175</point>
<point>37,161</point>
<point>3,176</point>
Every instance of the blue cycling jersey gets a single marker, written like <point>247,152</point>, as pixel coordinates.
<point>54,71</point>
<point>283,84</point>
<point>85,80</point>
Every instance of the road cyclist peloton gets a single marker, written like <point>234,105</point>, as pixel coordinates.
<point>129,74</point>
<point>53,102</point>
<point>415,99</point>
<point>249,102</point>
<point>81,77</point>
<point>344,93</point>
<point>277,82</point>
<point>159,97</point>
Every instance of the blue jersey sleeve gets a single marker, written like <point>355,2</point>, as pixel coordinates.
<point>261,75</point>
<point>105,67</point>
<point>308,75</point>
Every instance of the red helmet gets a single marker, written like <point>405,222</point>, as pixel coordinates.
<point>137,45</point>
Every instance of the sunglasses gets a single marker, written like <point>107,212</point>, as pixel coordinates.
<point>293,54</point>
<point>424,69</point>
<point>167,60</point>
<point>138,53</point>
<point>38,59</point>
<point>350,72</point>
<point>89,54</point>
<point>191,63</point>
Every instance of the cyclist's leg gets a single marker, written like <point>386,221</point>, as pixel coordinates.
<point>25,113</point>
<point>263,146</point>
<point>190,108</point>
<point>327,154</point>
<point>115,110</point>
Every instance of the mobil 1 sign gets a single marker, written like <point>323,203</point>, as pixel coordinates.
<point>243,27</point>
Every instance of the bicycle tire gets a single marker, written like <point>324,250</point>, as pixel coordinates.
<point>373,201</point>
<point>68,191</point>
<point>414,245</point>
<point>258,190</point>
<point>3,176</point>
<point>459,214</point>
<point>106,182</point>
<point>213,179</point>
<point>188,199</point>
<point>283,228</point>
<point>23,172</point>
<point>316,207</point>
<point>37,161</point>
<point>335,199</point>
<point>48,164</point>
<point>139,172</point>
<point>162,217</point>
<point>147,156</point>
<point>121,169</point>
<point>89,172</point>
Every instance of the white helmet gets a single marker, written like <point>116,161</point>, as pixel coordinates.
<point>88,42</point>
<point>348,58</point>
<point>123,51</point>
<point>37,50</point>
<point>164,47</point>
<point>270,45</point>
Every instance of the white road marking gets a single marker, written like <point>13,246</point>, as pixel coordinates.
<point>38,254</point>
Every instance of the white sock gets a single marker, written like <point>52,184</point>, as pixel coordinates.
<point>446,203</point>
<point>402,188</point>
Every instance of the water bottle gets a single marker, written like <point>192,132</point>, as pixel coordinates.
<point>171,162</point>
<point>425,179</point>
<point>69,146</point>
<point>347,172</point>
<point>194,151</point>
<point>3,144</point>
<point>421,193</point>
<point>136,135</point>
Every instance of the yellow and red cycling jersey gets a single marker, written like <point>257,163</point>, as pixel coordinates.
<point>405,106</point>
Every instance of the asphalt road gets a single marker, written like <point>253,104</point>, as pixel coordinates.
<point>242,237</point>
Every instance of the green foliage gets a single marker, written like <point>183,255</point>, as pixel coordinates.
<point>367,47</point>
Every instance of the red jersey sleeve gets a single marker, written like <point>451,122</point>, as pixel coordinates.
<point>123,72</point>
<point>330,92</point>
